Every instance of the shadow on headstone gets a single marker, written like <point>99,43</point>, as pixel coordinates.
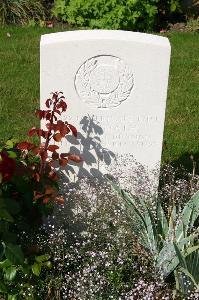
<point>88,145</point>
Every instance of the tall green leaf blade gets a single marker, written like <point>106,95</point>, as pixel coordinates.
<point>189,215</point>
<point>181,258</point>
<point>144,220</point>
<point>151,231</point>
<point>162,221</point>
<point>172,224</point>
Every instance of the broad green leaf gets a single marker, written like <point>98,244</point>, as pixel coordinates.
<point>14,254</point>
<point>42,258</point>
<point>26,269</point>
<point>12,297</point>
<point>5,264</point>
<point>173,7</point>
<point>9,144</point>
<point>36,268</point>
<point>12,154</point>
<point>47,264</point>
<point>10,273</point>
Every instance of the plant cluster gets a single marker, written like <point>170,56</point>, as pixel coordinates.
<point>115,14</point>
<point>21,11</point>
<point>28,191</point>
<point>167,227</point>
<point>94,253</point>
<point>106,247</point>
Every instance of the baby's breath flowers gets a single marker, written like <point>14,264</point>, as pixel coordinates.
<point>94,252</point>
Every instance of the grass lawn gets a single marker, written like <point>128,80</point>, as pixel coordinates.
<point>19,89</point>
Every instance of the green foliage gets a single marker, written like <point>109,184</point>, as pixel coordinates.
<point>112,14</point>
<point>170,240</point>
<point>187,275</point>
<point>28,190</point>
<point>20,11</point>
<point>192,25</point>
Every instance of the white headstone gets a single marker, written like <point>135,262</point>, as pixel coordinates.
<point>115,83</point>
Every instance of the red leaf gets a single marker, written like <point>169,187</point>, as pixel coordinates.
<point>48,116</point>
<point>53,175</point>
<point>32,131</point>
<point>52,148</point>
<point>55,96</point>
<point>48,103</point>
<point>50,191</point>
<point>37,196</point>
<point>42,114</point>
<point>75,158</point>
<point>64,130</point>
<point>57,111</point>
<point>55,155</point>
<point>40,132</point>
<point>73,129</point>
<point>45,134</point>
<point>36,176</point>
<point>60,124</point>
<point>57,137</point>
<point>49,126</point>
<point>43,155</point>
<point>25,146</point>
<point>62,104</point>
<point>39,113</point>
<point>35,150</point>
<point>63,162</point>
<point>46,200</point>
<point>63,155</point>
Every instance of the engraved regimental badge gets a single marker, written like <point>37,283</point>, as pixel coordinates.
<point>104,81</point>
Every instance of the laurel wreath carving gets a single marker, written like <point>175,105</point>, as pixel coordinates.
<point>112,99</point>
